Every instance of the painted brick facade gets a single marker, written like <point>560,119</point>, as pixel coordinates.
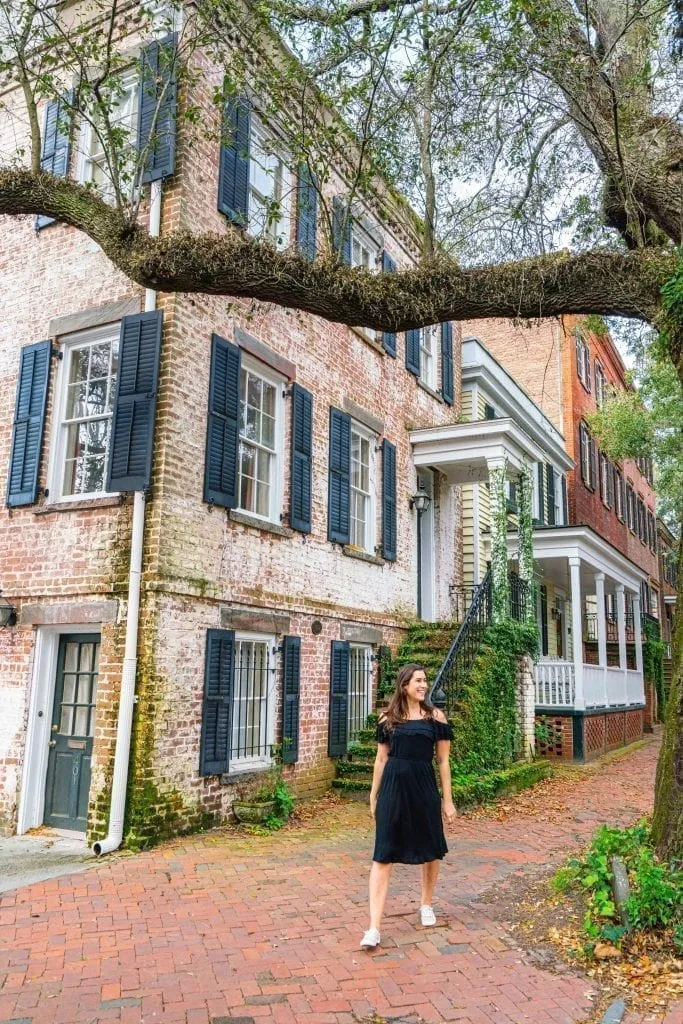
<point>64,563</point>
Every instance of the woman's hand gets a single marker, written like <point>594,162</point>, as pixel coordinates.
<point>448,811</point>
<point>373,807</point>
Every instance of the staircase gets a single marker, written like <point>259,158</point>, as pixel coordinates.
<point>426,643</point>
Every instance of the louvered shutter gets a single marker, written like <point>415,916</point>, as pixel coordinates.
<point>223,430</point>
<point>290,698</point>
<point>540,479</point>
<point>302,459</point>
<point>413,351</point>
<point>587,359</point>
<point>550,494</point>
<point>341,219</point>
<point>388,337</point>
<point>56,144</point>
<point>132,429</point>
<point>565,504</point>
<point>593,457</point>
<point>583,452</point>
<point>233,172</point>
<point>339,483</point>
<point>29,424</point>
<point>306,212</point>
<point>389,538</point>
<point>339,698</point>
<point>579,357</point>
<point>602,472</point>
<point>219,674</point>
<point>447,362</point>
<point>157,109</point>
<point>544,619</point>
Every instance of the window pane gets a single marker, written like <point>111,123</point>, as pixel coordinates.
<point>65,721</point>
<point>86,659</point>
<point>71,657</point>
<point>79,365</point>
<point>69,694</point>
<point>81,721</point>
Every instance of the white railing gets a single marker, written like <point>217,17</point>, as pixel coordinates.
<point>554,684</point>
<point>615,687</point>
<point>635,687</point>
<point>594,692</point>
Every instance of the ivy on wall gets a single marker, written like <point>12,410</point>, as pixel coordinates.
<point>526,539</point>
<point>499,545</point>
<point>653,661</point>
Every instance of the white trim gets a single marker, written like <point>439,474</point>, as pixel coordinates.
<point>371,524</point>
<point>428,568</point>
<point>246,764</point>
<point>264,134</point>
<point>464,451</point>
<point>583,544</point>
<point>276,380</point>
<point>130,77</point>
<point>42,694</point>
<point>430,379</point>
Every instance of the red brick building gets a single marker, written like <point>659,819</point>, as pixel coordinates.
<point>277,534</point>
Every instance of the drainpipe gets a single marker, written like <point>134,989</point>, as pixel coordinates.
<point>124,727</point>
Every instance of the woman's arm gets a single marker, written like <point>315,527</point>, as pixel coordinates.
<point>377,772</point>
<point>443,750</point>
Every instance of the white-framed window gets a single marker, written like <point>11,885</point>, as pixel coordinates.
<point>583,362</point>
<point>261,441</point>
<point>360,688</point>
<point>365,251</point>
<point>83,411</point>
<point>93,166</point>
<point>600,385</point>
<point>253,701</point>
<point>428,350</point>
<point>557,499</point>
<point>362,488</point>
<point>270,187</point>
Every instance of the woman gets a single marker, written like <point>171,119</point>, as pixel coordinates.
<point>404,799</point>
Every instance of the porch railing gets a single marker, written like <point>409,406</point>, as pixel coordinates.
<point>602,686</point>
<point>450,680</point>
<point>554,684</point>
<point>590,628</point>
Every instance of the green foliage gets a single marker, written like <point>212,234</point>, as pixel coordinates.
<point>656,899</point>
<point>469,788</point>
<point>623,426</point>
<point>654,650</point>
<point>499,549</point>
<point>596,325</point>
<point>484,721</point>
<point>273,787</point>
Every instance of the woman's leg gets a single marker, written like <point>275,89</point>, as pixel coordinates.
<point>430,873</point>
<point>379,887</point>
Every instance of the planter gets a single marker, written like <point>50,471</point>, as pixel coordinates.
<point>253,812</point>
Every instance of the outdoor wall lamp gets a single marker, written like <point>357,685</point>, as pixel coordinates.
<point>8,613</point>
<point>420,502</point>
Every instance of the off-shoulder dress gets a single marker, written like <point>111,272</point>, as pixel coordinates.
<point>409,827</point>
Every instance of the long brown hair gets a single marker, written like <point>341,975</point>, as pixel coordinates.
<point>397,709</point>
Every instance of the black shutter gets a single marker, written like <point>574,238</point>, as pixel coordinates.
<point>306,212</point>
<point>389,538</point>
<point>340,215</point>
<point>29,424</point>
<point>540,478</point>
<point>413,351</point>
<point>290,698</point>
<point>388,337</point>
<point>339,698</point>
<point>594,472</point>
<point>233,171</point>
<point>339,484</point>
<point>550,494</point>
<point>602,470</point>
<point>544,619</point>
<point>587,357</point>
<point>219,674</point>
<point>223,426</point>
<point>565,504</point>
<point>302,460</point>
<point>56,144</point>
<point>583,442</point>
<point>447,362</point>
<point>157,109</point>
<point>132,429</point>
<point>579,357</point>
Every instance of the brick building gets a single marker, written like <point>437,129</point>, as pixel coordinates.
<point>279,539</point>
<point>595,539</point>
<point>668,576</point>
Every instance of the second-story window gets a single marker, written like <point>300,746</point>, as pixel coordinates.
<point>583,362</point>
<point>364,250</point>
<point>619,494</point>
<point>94,165</point>
<point>600,385</point>
<point>260,456</point>
<point>84,411</point>
<point>428,349</point>
<point>587,457</point>
<point>362,488</point>
<point>630,508</point>
<point>270,187</point>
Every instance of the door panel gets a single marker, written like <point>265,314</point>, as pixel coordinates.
<point>73,722</point>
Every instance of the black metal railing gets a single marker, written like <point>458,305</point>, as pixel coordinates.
<point>519,597</point>
<point>590,627</point>
<point>360,689</point>
<point>450,680</point>
<point>252,711</point>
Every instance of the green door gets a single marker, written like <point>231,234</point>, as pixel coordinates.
<point>73,722</point>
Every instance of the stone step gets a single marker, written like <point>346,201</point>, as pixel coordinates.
<point>353,789</point>
<point>348,768</point>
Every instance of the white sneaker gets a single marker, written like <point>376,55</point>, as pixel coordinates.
<point>370,940</point>
<point>427,917</point>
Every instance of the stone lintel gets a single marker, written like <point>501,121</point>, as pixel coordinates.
<point>62,613</point>
<point>356,633</point>
<point>254,620</point>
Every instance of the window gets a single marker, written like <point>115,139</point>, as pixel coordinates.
<point>604,479</point>
<point>489,412</point>
<point>600,385</point>
<point>362,489</point>
<point>360,688</point>
<point>557,488</point>
<point>642,524</point>
<point>630,508</point>
<point>270,188</point>
<point>260,454</point>
<point>428,351</point>
<point>583,362</point>
<point>364,250</point>
<point>587,457</point>
<point>511,496</point>
<point>651,532</point>
<point>84,403</point>
<point>122,101</point>
<point>253,701</point>
<point>654,605</point>
<point>619,494</point>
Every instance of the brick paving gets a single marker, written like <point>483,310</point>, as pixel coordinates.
<point>222,929</point>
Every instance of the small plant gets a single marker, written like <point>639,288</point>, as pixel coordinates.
<point>547,733</point>
<point>272,789</point>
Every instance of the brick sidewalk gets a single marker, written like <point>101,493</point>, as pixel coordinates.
<point>230,930</point>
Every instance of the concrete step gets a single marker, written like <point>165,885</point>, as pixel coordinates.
<point>352,789</point>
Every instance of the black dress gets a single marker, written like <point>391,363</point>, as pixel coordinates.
<point>409,828</point>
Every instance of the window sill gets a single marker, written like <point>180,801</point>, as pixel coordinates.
<point>362,556</point>
<point>429,390</point>
<point>110,501</point>
<point>259,524</point>
<point>368,339</point>
<point>238,776</point>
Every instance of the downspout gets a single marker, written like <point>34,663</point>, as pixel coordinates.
<point>124,726</point>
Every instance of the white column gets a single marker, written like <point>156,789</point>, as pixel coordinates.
<point>621,625</point>
<point>497,468</point>
<point>577,630</point>
<point>602,631</point>
<point>638,636</point>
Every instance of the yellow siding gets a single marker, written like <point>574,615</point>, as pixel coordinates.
<point>466,406</point>
<point>484,525</point>
<point>468,534</point>
<point>481,406</point>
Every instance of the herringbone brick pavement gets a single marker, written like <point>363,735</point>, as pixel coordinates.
<point>219,929</point>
